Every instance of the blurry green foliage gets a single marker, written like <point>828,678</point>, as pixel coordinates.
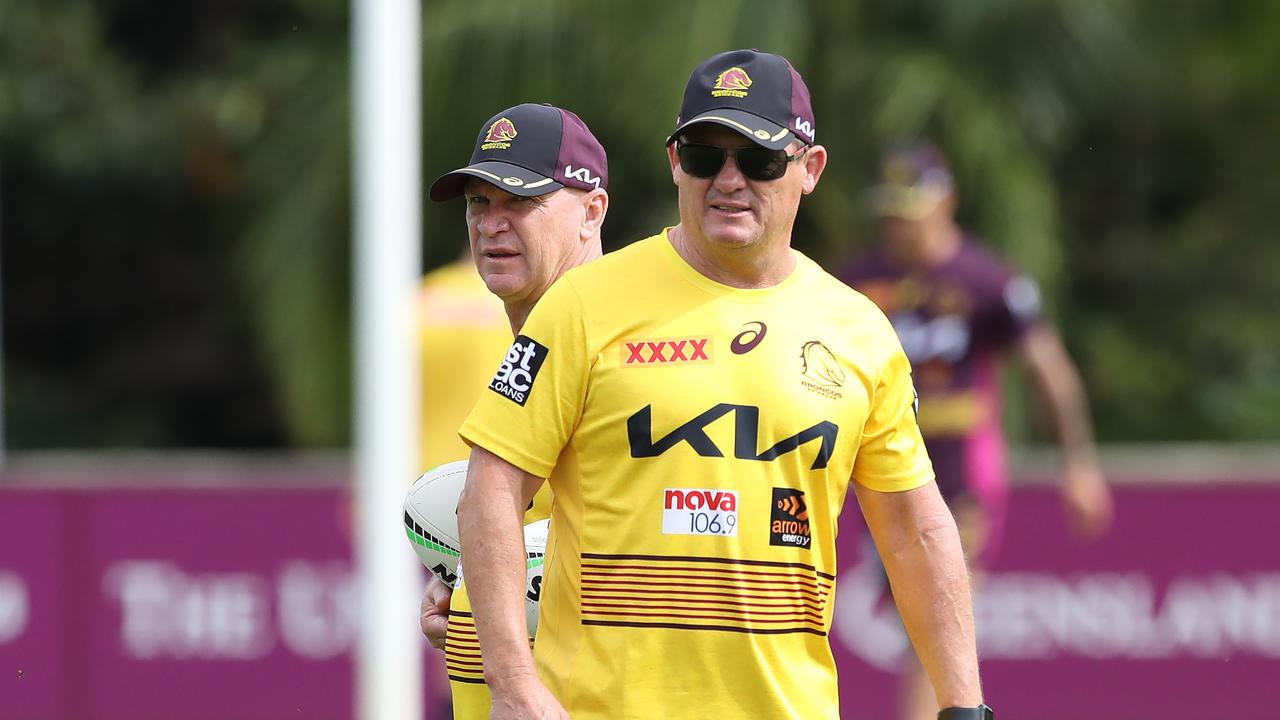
<point>175,208</point>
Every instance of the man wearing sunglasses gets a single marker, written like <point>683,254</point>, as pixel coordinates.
<point>707,397</point>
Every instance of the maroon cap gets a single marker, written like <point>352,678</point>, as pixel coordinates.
<point>914,179</point>
<point>755,93</point>
<point>531,149</point>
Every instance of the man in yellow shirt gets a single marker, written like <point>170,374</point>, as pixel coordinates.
<point>706,398</point>
<point>535,193</point>
<point>462,327</point>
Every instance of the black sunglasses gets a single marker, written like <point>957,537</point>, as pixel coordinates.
<point>755,162</point>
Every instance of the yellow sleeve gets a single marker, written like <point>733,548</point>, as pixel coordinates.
<point>535,399</point>
<point>892,456</point>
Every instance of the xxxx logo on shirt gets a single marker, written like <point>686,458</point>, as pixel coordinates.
<point>665,352</point>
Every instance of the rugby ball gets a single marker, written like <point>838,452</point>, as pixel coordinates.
<point>431,518</point>
<point>535,550</point>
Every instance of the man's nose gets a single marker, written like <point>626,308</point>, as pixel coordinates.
<point>730,178</point>
<point>492,222</point>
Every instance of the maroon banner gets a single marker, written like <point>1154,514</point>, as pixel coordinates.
<point>178,605</point>
<point>34,637</point>
<point>201,604</point>
<point>1174,614</point>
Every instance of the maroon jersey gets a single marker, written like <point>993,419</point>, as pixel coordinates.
<point>954,321</point>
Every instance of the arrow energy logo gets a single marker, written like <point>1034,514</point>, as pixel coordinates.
<point>789,519</point>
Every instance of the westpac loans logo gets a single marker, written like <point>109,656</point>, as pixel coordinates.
<point>820,370</point>
<point>789,519</point>
<point>500,135</point>
<point>734,82</point>
<point>519,369</point>
<point>582,175</point>
<point>662,352</point>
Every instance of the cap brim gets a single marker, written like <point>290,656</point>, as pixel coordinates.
<point>764,132</point>
<point>514,179</point>
<point>908,203</point>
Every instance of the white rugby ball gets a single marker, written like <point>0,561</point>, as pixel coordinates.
<point>535,550</point>
<point>431,518</point>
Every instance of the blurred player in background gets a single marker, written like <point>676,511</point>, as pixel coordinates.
<point>957,310</point>
<point>535,193</point>
<point>706,398</point>
<point>462,328</point>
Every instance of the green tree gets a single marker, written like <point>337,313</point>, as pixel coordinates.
<point>181,173</point>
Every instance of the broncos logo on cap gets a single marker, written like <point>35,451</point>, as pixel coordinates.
<point>735,78</point>
<point>502,130</point>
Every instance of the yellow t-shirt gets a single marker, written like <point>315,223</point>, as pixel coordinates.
<point>471,696</point>
<point>464,334</point>
<point>704,437</point>
<point>463,329</point>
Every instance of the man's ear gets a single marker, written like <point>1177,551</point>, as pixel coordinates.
<point>815,161</point>
<point>675,162</point>
<point>596,206</point>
